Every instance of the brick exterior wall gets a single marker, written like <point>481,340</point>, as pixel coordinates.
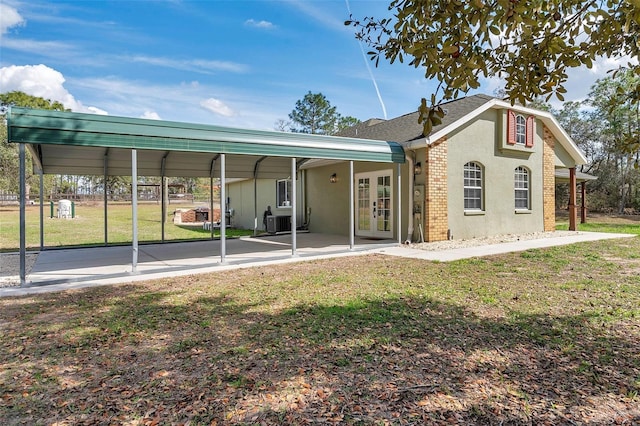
<point>549,181</point>
<point>189,216</point>
<point>436,206</point>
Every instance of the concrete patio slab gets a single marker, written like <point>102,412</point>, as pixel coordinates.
<point>56,270</point>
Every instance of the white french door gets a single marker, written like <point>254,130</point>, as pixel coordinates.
<point>374,204</point>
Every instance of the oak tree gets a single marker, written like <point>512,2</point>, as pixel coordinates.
<point>529,43</point>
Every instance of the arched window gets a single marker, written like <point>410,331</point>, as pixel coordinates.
<point>473,183</point>
<point>521,129</point>
<point>521,186</point>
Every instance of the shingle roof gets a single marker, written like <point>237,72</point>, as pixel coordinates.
<point>406,127</point>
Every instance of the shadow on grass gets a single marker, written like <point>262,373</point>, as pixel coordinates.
<point>97,357</point>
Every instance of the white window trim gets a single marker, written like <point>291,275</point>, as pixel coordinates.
<point>286,204</point>
<point>474,210</point>
<point>521,124</point>
<point>526,173</point>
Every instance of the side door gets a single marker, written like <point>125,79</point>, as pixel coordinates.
<point>374,204</point>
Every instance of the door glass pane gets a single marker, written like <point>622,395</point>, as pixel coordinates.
<point>364,209</point>
<point>383,220</point>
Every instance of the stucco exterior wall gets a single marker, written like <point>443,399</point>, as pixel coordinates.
<point>482,141</point>
<point>241,195</point>
<point>329,202</point>
<point>562,157</point>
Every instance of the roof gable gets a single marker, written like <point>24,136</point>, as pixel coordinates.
<point>406,129</point>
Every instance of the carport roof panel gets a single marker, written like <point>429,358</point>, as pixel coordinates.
<point>46,127</point>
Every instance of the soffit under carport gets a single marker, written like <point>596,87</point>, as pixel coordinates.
<point>76,143</point>
<point>562,176</point>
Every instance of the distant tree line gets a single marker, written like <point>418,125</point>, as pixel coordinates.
<point>606,127</point>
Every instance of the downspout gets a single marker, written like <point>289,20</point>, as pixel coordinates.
<point>410,163</point>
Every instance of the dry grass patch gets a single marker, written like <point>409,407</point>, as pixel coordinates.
<point>543,336</point>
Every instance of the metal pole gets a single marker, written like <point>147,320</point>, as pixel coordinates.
<point>211,172</point>
<point>583,209</point>
<point>106,198</point>
<point>351,208</point>
<point>163,206</point>
<point>256,168</point>
<point>211,205</point>
<point>293,208</point>
<point>255,205</point>
<point>41,210</point>
<point>134,209</point>
<point>223,210</point>
<point>399,215</point>
<point>23,202</point>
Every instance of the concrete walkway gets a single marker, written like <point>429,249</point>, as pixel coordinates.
<point>490,249</point>
<point>57,270</point>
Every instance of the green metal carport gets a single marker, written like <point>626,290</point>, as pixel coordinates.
<point>88,144</point>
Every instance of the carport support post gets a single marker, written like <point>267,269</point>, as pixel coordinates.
<point>211,171</point>
<point>294,212</point>
<point>163,206</point>
<point>134,209</point>
<point>572,199</point>
<point>583,202</point>
<point>41,208</point>
<point>223,210</point>
<point>351,207</point>
<point>106,197</point>
<point>23,202</point>
<point>400,203</point>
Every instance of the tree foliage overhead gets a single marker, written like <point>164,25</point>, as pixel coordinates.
<point>530,44</point>
<point>314,114</point>
<point>23,100</point>
<point>9,152</point>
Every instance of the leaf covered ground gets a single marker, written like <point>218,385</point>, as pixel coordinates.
<point>546,336</point>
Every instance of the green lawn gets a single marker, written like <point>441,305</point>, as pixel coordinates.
<point>88,226</point>
<point>546,336</point>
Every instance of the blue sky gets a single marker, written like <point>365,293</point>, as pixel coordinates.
<point>232,63</point>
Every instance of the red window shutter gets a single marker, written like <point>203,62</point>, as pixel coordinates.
<point>511,127</point>
<point>531,130</point>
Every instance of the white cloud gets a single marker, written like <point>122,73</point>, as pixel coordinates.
<point>217,107</point>
<point>321,15</point>
<point>196,65</point>
<point>151,115</point>
<point>41,81</point>
<point>97,111</point>
<point>259,24</point>
<point>182,102</point>
<point>9,18</point>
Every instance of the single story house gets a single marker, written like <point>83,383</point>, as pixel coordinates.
<point>489,168</point>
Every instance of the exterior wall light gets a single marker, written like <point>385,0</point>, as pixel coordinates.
<point>333,178</point>
<point>417,169</point>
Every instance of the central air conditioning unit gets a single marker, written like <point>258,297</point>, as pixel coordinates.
<point>277,224</point>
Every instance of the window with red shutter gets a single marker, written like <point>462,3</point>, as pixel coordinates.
<point>531,130</point>
<point>511,127</point>
<point>521,131</point>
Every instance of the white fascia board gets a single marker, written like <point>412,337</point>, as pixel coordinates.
<point>418,143</point>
